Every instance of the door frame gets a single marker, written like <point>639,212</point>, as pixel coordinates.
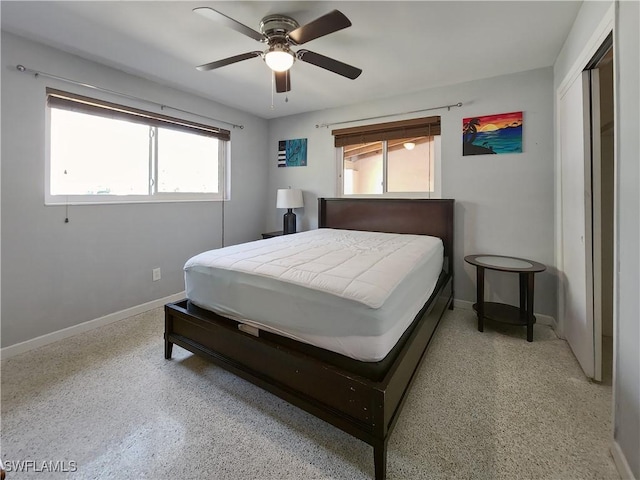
<point>591,47</point>
<point>597,38</point>
<point>595,282</point>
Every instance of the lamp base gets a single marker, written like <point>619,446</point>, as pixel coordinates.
<point>289,225</point>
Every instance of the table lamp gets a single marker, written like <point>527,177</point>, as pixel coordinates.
<point>289,198</point>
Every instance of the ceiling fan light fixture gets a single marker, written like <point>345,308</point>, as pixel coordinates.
<point>279,58</point>
<point>409,145</point>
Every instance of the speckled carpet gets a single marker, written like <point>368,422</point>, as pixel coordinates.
<point>106,404</point>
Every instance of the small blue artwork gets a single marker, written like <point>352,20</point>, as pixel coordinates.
<point>292,153</point>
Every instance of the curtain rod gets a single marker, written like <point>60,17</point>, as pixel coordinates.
<point>448,107</point>
<point>23,69</point>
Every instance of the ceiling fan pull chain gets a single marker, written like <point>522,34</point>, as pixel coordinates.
<point>273,80</point>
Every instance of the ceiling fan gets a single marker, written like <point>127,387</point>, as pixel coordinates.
<point>280,33</point>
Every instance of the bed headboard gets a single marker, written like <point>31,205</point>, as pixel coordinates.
<point>391,215</point>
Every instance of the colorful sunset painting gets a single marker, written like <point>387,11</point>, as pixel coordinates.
<point>492,134</point>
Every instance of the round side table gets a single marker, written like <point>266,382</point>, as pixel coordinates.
<point>500,312</point>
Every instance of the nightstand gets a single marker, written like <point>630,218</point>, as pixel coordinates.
<point>271,234</point>
<point>499,312</point>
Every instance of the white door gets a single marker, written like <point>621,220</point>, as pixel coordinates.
<point>577,262</point>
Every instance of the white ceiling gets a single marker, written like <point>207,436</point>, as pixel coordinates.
<point>400,46</point>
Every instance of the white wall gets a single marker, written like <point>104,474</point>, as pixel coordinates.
<point>504,203</point>
<point>627,346</point>
<point>56,275</point>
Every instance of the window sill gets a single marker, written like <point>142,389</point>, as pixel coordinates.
<point>120,200</point>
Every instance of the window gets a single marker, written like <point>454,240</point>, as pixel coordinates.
<point>390,159</point>
<point>101,152</point>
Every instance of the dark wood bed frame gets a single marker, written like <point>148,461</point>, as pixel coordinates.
<point>360,398</point>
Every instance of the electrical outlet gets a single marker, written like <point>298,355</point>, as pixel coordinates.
<point>156,274</point>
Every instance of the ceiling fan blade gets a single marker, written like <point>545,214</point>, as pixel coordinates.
<point>329,64</point>
<point>329,23</point>
<point>229,22</point>
<point>228,61</point>
<point>283,81</point>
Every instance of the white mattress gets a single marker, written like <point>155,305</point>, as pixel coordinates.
<point>351,292</point>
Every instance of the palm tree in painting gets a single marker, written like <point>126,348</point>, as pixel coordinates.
<point>469,130</point>
<point>469,134</point>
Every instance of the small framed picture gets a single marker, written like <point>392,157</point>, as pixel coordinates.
<point>292,153</point>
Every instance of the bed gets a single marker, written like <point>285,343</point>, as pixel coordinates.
<point>363,398</point>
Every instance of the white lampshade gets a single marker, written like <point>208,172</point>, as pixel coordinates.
<point>289,198</point>
<point>279,59</point>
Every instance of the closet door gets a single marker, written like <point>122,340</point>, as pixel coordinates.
<point>577,262</point>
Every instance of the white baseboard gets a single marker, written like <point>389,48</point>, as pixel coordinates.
<point>22,347</point>
<point>621,462</point>
<point>541,319</point>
